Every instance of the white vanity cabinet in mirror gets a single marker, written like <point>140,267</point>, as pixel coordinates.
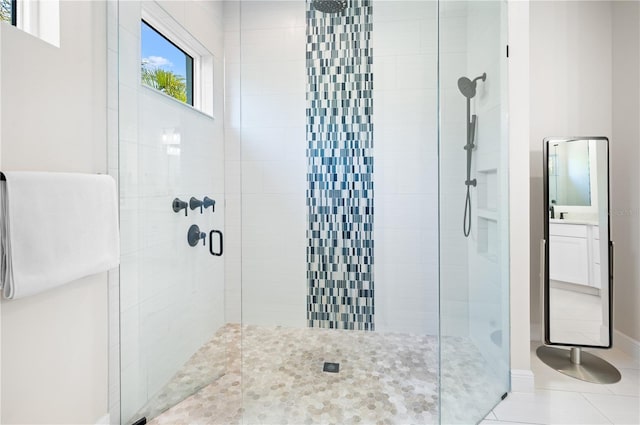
<point>577,283</point>
<point>575,254</point>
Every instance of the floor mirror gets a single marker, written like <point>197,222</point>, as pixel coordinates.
<point>577,272</point>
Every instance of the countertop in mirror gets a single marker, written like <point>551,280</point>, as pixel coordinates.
<point>573,221</point>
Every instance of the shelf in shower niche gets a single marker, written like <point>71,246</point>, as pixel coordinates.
<point>488,237</point>
<point>488,214</point>
<point>488,189</point>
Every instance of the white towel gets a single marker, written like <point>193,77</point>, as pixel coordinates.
<point>56,228</point>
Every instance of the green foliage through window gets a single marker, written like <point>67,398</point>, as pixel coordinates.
<point>165,81</point>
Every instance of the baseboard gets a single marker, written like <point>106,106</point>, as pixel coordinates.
<point>626,344</point>
<point>522,381</point>
<point>104,420</point>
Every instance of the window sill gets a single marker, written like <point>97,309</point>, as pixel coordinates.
<point>176,101</point>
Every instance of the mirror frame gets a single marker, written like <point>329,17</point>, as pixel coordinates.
<point>545,268</point>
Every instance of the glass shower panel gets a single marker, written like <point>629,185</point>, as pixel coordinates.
<point>337,184</point>
<point>346,293</point>
<point>171,294</point>
<point>474,262</point>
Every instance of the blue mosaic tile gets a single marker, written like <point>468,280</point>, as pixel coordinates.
<point>340,168</point>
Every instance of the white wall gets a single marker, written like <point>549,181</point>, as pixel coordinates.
<point>454,261</point>
<point>171,294</point>
<point>54,345</point>
<point>405,150</point>
<point>519,250</point>
<point>624,171</point>
<point>571,80</point>
<point>112,163</point>
<point>266,162</point>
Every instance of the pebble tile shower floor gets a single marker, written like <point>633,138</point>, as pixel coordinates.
<point>273,375</point>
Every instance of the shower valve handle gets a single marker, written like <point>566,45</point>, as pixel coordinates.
<point>195,203</point>
<point>208,202</point>
<point>178,205</point>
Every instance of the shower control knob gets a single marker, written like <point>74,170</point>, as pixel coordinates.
<point>208,202</point>
<point>178,205</point>
<point>194,235</point>
<point>195,203</point>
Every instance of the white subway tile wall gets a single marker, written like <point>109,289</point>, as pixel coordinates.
<point>405,45</point>
<point>265,81</point>
<point>266,164</point>
<point>171,294</point>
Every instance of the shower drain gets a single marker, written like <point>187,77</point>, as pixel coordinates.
<point>331,367</point>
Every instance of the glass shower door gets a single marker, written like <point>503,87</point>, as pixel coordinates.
<point>171,156</point>
<point>474,250</point>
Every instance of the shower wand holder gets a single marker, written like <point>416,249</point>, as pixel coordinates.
<point>473,182</point>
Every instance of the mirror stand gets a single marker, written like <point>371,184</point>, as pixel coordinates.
<point>579,364</point>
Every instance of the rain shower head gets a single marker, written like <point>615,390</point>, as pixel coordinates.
<point>329,6</point>
<point>468,87</point>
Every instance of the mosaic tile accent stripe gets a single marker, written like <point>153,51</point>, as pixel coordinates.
<point>340,168</point>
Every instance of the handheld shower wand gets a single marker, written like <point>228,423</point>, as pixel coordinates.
<point>468,89</point>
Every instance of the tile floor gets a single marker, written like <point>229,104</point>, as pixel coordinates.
<point>559,399</point>
<point>575,316</point>
<point>274,376</point>
<point>396,388</point>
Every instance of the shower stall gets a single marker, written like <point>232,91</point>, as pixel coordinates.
<point>318,233</point>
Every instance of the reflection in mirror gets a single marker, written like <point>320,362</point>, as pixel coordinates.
<point>569,173</point>
<point>578,254</point>
<point>577,289</point>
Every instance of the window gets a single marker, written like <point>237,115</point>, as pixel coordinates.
<point>173,61</point>
<point>165,66</point>
<point>8,11</point>
<point>40,18</point>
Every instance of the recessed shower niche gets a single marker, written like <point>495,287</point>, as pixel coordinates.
<point>488,229</point>
<point>335,150</point>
